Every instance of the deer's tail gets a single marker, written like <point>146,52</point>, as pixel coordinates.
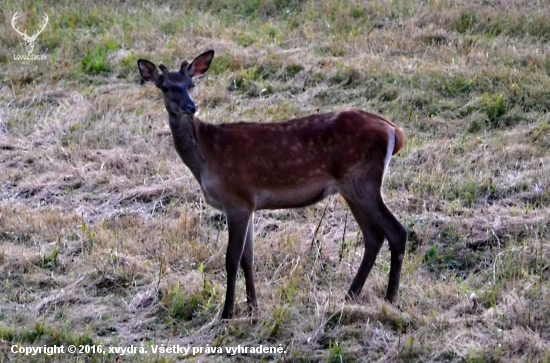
<point>400,140</point>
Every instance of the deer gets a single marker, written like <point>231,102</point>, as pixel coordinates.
<point>28,39</point>
<point>243,167</point>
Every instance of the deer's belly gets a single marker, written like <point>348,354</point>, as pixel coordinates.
<point>252,192</point>
<point>292,198</point>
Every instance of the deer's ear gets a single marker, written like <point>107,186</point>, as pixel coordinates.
<point>200,65</point>
<point>148,71</point>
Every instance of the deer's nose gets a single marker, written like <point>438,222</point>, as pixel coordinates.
<point>191,108</point>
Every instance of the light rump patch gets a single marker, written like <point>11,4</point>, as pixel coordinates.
<point>391,146</point>
<point>244,167</point>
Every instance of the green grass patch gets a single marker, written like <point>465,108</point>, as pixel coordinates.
<point>95,62</point>
<point>495,106</point>
<point>226,63</point>
<point>470,191</point>
<point>127,66</point>
<point>183,306</point>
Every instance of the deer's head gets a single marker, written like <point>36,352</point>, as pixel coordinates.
<point>28,39</point>
<point>176,86</point>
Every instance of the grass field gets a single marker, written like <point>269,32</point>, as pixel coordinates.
<point>106,240</point>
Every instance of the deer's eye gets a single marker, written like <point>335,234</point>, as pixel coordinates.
<point>193,85</point>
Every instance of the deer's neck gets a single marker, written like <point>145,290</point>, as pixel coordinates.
<point>184,131</point>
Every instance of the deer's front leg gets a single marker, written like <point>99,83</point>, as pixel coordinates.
<point>237,224</point>
<point>247,263</point>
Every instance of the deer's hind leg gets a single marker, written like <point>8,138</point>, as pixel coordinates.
<point>376,222</point>
<point>373,237</point>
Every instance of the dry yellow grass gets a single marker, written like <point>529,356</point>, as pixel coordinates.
<point>105,238</point>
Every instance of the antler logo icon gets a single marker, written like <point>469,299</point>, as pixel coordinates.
<point>28,39</point>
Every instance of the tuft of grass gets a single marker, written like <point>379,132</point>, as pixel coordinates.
<point>126,67</point>
<point>276,326</point>
<point>335,352</point>
<point>95,61</point>
<point>495,105</point>
<point>181,305</point>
